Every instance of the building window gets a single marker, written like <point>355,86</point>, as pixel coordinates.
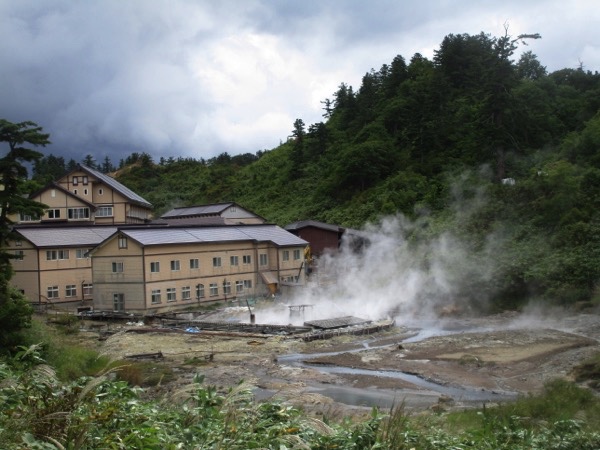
<point>104,211</point>
<point>239,286</point>
<point>82,253</point>
<point>75,181</point>
<point>214,289</point>
<point>18,243</point>
<point>28,218</point>
<point>156,296</point>
<point>186,293</point>
<point>155,267</point>
<point>194,263</point>
<point>117,267</point>
<point>122,242</point>
<point>71,290</point>
<point>217,261</point>
<point>53,193</point>
<point>52,292</point>
<point>75,191</point>
<point>78,213</point>
<point>248,284</point>
<point>296,255</point>
<point>54,213</point>
<point>233,260</point>
<point>19,255</point>
<point>100,191</point>
<point>119,302</point>
<point>52,255</point>
<point>175,265</point>
<point>87,289</point>
<point>263,259</point>
<point>286,255</point>
<point>226,287</point>
<point>171,294</point>
<point>247,259</point>
<point>85,180</point>
<point>199,291</point>
<point>85,192</point>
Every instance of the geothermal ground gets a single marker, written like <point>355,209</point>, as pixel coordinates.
<point>448,363</point>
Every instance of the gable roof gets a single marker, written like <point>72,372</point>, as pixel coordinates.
<point>313,223</point>
<point>214,209</point>
<point>197,210</point>
<point>114,184</point>
<point>46,236</point>
<point>226,233</point>
<point>54,185</point>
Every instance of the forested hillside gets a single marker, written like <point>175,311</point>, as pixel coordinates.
<point>474,142</point>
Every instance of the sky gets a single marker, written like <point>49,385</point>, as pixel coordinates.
<point>196,78</point>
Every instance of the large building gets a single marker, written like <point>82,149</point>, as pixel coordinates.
<point>85,195</point>
<point>154,269</point>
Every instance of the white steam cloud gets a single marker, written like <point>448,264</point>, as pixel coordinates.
<point>395,269</point>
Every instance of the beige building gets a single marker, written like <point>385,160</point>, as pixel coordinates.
<point>53,265</point>
<point>86,196</point>
<point>156,269</point>
<point>229,213</point>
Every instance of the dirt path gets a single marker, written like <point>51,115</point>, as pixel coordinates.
<point>463,362</point>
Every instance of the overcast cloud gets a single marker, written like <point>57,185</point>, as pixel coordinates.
<point>198,78</point>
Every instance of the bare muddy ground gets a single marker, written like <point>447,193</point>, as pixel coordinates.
<point>454,363</point>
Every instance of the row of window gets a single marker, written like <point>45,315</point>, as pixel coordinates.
<point>216,262</point>
<point>79,213</point>
<point>70,290</point>
<point>186,291</point>
<point>80,253</point>
<point>286,255</point>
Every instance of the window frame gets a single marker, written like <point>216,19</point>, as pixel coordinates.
<point>154,266</point>
<point>70,290</point>
<point>175,265</point>
<point>155,296</point>
<point>52,292</point>
<point>194,264</point>
<point>171,295</point>
<point>118,267</point>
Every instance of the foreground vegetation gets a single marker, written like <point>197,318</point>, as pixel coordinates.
<point>58,395</point>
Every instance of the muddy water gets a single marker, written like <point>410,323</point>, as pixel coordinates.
<point>424,391</point>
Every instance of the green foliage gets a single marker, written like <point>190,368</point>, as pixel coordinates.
<point>38,410</point>
<point>15,317</point>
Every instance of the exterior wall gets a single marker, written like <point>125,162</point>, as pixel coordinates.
<point>25,277</point>
<point>57,280</point>
<point>320,240</point>
<point>236,214</point>
<point>59,200</point>
<point>129,282</point>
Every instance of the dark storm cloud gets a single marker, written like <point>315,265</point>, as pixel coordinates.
<point>196,78</point>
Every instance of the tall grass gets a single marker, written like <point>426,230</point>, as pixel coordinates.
<point>63,350</point>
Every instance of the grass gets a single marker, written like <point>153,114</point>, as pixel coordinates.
<point>560,400</point>
<point>64,350</point>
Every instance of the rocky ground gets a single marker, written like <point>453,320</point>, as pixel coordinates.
<point>450,363</point>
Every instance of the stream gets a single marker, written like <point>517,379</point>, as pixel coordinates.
<point>425,392</point>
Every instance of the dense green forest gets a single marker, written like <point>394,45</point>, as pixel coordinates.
<point>475,142</point>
